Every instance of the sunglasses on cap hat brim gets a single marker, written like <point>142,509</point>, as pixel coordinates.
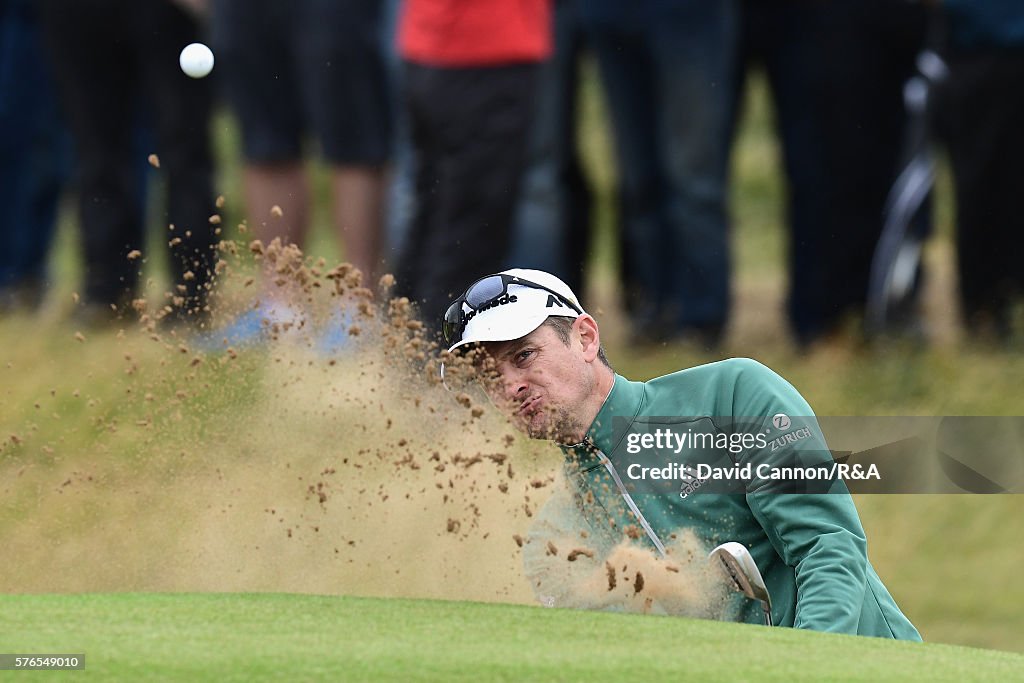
<point>481,293</point>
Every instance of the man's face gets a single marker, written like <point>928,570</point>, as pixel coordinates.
<point>542,383</point>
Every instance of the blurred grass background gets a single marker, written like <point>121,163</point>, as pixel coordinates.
<point>949,560</point>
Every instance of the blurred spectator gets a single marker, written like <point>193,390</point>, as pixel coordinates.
<point>470,83</point>
<point>979,113</point>
<point>108,55</point>
<point>666,67</point>
<point>551,231</point>
<point>35,155</point>
<point>836,71</point>
<point>310,68</point>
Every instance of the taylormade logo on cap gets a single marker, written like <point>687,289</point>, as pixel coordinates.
<point>503,299</point>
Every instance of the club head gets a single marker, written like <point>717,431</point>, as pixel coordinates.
<point>739,566</point>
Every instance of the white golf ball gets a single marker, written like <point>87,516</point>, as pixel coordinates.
<point>196,60</point>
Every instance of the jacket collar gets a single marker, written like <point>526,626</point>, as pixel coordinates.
<point>624,401</point>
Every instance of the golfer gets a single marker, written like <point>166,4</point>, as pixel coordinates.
<point>548,369</point>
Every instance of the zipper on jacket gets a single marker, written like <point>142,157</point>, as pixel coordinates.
<point>632,505</point>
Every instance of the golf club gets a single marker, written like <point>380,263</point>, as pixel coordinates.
<point>739,566</point>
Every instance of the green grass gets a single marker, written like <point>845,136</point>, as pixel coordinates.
<point>241,637</point>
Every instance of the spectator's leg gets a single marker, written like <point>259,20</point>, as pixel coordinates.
<point>870,47</point>
<point>481,119</point>
<point>96,77</point>
<point>626,72</point>
<point>551,230</point>
<point>347,97</point>
<point>34,156</point>
<point>788,38</point>
<point>260,87</point>
<point>695,46</point>
<point>277,184</point>
<point>417,83</point>
<point>181,109</point>
<point>359,193</point>
<point>981,114</point>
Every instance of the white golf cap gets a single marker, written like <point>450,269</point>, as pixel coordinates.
<point>519,310</point>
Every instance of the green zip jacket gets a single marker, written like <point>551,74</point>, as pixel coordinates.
<point>810,547</point>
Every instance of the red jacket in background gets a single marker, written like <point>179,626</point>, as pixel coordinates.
<point>467,33</point>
